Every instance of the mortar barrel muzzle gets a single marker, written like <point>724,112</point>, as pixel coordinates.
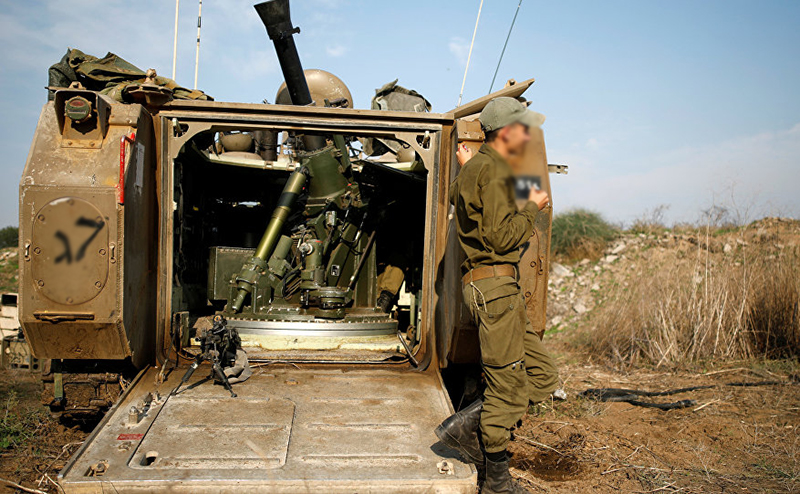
<point>276,18</point>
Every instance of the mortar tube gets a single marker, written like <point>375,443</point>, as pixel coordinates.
<point>287,199</point>
<point>276,18</point>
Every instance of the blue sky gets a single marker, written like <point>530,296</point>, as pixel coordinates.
<point>679,103</point>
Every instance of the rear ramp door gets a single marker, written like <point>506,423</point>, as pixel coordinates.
<point>290,430</point>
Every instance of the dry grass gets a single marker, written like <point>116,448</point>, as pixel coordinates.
<point>699,303</point>
<point>651,221</point>
<point>33,445</point>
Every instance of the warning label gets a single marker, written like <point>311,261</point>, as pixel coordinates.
<point>129,437</point>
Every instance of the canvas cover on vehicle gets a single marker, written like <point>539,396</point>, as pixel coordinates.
<point>108,75</point>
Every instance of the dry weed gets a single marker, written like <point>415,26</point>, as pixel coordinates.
<point>705,304</point>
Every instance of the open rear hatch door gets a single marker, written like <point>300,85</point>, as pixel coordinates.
<point>307,429</point>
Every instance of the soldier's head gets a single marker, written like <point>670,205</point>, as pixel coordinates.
<point>506,123</point>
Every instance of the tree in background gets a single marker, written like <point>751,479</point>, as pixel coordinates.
<point>9,237</point>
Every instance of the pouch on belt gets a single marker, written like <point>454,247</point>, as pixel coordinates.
<point>498,311</point>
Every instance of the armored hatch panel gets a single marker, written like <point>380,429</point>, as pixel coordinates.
<point>88,232</point>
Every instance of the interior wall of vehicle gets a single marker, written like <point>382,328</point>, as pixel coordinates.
<point>218,204</point>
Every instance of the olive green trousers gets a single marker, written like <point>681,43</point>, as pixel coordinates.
<point>517,368</point>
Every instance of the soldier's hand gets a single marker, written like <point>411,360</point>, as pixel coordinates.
<point>540,197</point>
<point>464,154</point>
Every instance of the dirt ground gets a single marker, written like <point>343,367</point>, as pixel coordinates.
<point>733,439</point>
<point>33,446</point>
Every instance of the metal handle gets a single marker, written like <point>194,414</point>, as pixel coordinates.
<point>63,316</point>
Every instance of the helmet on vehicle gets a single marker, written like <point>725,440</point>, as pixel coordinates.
<point>322,85</point>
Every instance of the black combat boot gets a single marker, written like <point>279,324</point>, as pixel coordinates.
<point>386,301</point>
<point>460,432</point>
<point>499,481</point>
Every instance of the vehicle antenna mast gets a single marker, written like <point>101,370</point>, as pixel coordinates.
<point>175,40</point>
<point>504,46</point>
<point>469,55</point>
<point>197,51</point>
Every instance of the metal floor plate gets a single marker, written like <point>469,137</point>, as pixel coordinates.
<point>322,429</point>
<point>263,425</point>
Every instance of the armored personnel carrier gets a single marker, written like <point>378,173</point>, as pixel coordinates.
<point>160,235</point>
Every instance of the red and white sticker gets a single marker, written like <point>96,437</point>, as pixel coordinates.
<point>129,437</point>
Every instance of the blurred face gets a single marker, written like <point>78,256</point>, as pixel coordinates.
<point>515,137</point>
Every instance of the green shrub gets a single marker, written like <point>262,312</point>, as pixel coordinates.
<point>579,234</point>
<point>9,237</point>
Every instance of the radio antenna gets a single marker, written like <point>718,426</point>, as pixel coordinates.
<point>469,56</point>
<point>197,51</point>
<point>175,41</point>
<point>504,46</point>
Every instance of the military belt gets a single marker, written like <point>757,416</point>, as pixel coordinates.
<point>483,272</point>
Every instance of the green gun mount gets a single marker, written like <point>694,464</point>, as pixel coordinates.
<point>307,272</point>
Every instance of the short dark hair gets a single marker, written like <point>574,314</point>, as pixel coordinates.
<point>489,136</point>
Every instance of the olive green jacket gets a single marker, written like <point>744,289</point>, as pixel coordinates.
<point>490,227</point>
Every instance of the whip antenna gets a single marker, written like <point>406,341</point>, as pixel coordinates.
<point>469,56</point>
<point>197,51</point>
<point>175,41</point>
<point>504,45</point>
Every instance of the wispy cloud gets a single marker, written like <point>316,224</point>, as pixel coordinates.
<point>335,50</point>
<point>459,47</point>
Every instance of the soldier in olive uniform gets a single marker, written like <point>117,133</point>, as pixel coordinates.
<point>491,230</point>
